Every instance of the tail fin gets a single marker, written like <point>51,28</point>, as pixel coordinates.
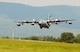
<point>49,17</point>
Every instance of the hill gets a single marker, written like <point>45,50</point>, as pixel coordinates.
<point>9,12</point>
<point>17,11</point>
<point>7,45</point>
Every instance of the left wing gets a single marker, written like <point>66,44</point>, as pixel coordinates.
<point>19,23</point>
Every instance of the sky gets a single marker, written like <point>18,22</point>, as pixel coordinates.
<point>45,2</point>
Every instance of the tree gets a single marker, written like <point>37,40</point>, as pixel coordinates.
<point>48,38</point>
<point>77,39</point>
<point>6,37</point>
<point>67,37</point>
<point>58,39</point>
<point>34,38</point>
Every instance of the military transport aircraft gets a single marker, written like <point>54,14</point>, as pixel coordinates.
<point>44,23</point>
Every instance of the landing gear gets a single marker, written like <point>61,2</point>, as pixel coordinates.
<point>44,27</point>
<point>47,27</point>
<point>40,27</point>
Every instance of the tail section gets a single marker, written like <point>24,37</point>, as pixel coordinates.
<point>49,17</point>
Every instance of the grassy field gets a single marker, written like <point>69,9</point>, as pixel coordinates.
<point>7,45</point>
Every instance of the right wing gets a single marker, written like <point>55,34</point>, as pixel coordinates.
<point>58,21</point>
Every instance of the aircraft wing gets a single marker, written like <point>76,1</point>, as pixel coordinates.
<point>27,22</point>
<point>19,23</point>
<point>58,20</point>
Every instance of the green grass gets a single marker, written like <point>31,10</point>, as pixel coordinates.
<point>8,45</point>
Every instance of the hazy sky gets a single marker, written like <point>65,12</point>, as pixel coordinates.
<point>45,2</point>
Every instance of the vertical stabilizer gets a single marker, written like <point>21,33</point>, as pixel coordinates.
<point>49,17</point>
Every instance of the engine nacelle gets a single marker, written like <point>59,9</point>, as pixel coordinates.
<point>56,22</point>
<point>57,19</point>
<point>69,22</point>
<point>32,23</point>
<point>18,24</point>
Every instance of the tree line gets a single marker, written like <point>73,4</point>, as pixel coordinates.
<point>67,37</point>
